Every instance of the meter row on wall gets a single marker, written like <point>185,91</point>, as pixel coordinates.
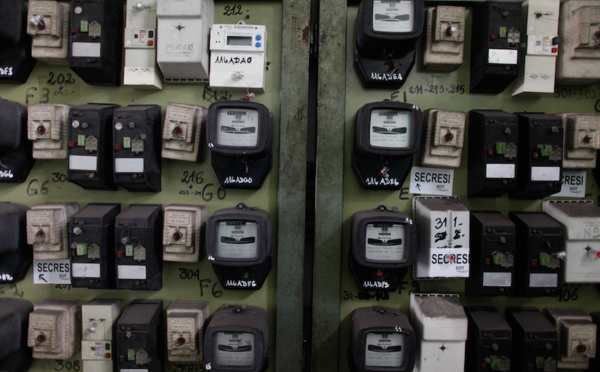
<point>445,337</point>
<point>445,240</point>
<point>109,248</point>
<point>511,41</point>
<point>90,37</point>
<point>235,337</point>
<point>107,145</point>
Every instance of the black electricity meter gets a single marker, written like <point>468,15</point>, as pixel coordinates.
<point>14,322</point>
<point>16,62</point>
<point>489,340</point>
<point>237,339</point>
<point>240,137</point>
<point>387,32</point>
<point>383,246</point>
<point>386,135</point>
<point>238,244</point>
<point>15,254</point>
<point>89,146</point>
<point>381,339</point>
<point>16,158</point>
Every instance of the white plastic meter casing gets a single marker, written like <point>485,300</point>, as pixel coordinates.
<point>182,232</point>
<point>55,328</point>
<point>238,56</point>
<point>47,127</point>
<point>576,336</point>
<point>538,69</point>
<point>443,237</point>
<point>184,132</point>
<point>445,37</point>
<point>440,325</point>
<point>99,317</point>
<point>582,140</point>
<point>184,29</point>
<point>580,220</point>
<point>443,139</point>
<point>140,70</point>
<point>48,24</point>
<point>47,230</point>
<point>579,49</point>
<point>185,328</point>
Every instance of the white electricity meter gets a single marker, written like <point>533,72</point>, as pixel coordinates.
<point>47,230</point>
<point>445,37</point>
<point>47,127</point>
<point>99,318</point>
<point>185,328</point>
<point>184,132</point>
<point>182,232</point>
<point>238,56</point>
<point>444,137</point>
<point>48,24</point>
<point>576,336</point>
<point>581,140</point>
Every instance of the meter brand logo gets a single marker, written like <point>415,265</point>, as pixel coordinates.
<point>6,174</point>
<point>385,77</point>
<point>375,284</point>
<point>382,181</point>
<point>232,179</point>
<point>233,60</point>
<point>241,283</point>
<point>6,71</point>
<point>179,47</point>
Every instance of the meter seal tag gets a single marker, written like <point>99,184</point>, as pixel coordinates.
<point>51,272</point>
<point>433,181</point>
<point>573,183</point>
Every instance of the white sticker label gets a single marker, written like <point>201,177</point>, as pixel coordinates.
<point>86,50</point>
<point>86,270</point>
<point>573,183</point>
<point>497,279</point>
<point>131,272</point>
<point>51,272</point>
<point>500,171</point>
<point>433,181</point>
<point>543,280</point>
<point>127,165</point>
<point>503,56</point>
<point>83,163</point>
<point>545,173</point>
<point>443,263</point>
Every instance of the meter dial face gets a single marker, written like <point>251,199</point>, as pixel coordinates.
<point>234,349</point>
<point>393,16</point>
<point>384,349</point>
<point>390,129</point>
<point>384,242</point>
<point>237,239</point>
<point>237,127</point>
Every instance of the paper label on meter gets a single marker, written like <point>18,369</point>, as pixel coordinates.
<point>237,127</point>
<point>234,349</point>
<point>384,349</point>
<point>237,239</point>
<point>384,242</point>
<point>393,16</point>
<point>390,129</point>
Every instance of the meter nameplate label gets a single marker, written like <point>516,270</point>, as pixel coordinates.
<point>237,240</point>
<point>545,173</point>
<point>234,349</point>
<point>573,184</point>
<point>86,49</point>
<point>237,127</point>
<point>433,181</point>
<point>85,270</point>
<point>503,56</point>
<point>384,242</point>
<point>390,129</point>
<point>131,272</point>
<point>384,349</point>
<point>51,271</point>
<point>491,279</point>
<point>500,171</point>
<point>393,16</point>
<point>83,163</point>
<point>127,165</point>
<point>543,280</point>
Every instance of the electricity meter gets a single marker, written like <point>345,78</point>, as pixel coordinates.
<point>538,66</point>
<point>535,343</point>
<point>386,35</point>
<point>240,137</point>
<point>15,254</point>
<point>444,137</point>
<point>381,339</point>
<point>14,319</point>
<point>386,135</point>
<point>138,237</point>
<point>540,254</point>
<point>238,56</point>
<point>182,236</point>
<point>91,241</point>
<point>237,339</point>
<point>16,62</point>
<point>581,140</point>
<point>140,337</point>
<point>185,328</point>
<point>55,328</point>
<point>443,237</point>
<point>48,25</point>
<point>441,330</point>
<point>16,158</point>
<point>445,36</point>
<point>238,244</point>
<point>47,226</point>
<point>90,146</point>
<point>47,127</point>
<point>97,41</point>
<point>489,341</point>
<point>184,132</point>
<point>140,69</point>
<point>136,141</point>
<point>579,48</point>
<point>382,247</point>
<point>99,325</point>
<point>580,220</point>
<point>576,336</point>
<point>182,50</point>
<point>496,39</point>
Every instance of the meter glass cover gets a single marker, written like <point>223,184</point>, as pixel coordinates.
<point>234,349</point>
<point>390,129</point>
<point>384,242</point>
<point>393,16</point>
<point>384,349</point>
<point>237,127</point>
<point>239,40</point>
<point>237,240</point>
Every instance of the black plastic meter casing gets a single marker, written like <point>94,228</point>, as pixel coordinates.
<point>96,47</point>
<point>92,244</point>
<point>245,272</point>
<point>14,322</point>
<point>380,320</point>
<point>489,340</point>
<point>382,167</point>
<point>90,136</point>
<point>241,166</point>
<point>237,319</point>
<point>136,141</point>
<point>16,255</point>
<point>16,62</point>
<point>16,158</point>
